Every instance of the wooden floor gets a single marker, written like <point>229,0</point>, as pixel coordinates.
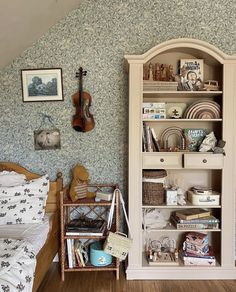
<point>106,282</point>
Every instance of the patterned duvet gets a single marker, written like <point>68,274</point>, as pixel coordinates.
<point>17,265</point>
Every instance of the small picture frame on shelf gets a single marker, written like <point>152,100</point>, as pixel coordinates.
<point>175,110</point>
<point>42,84</point>
<point>47,139</point>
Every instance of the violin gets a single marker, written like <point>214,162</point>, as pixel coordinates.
<point>83,120</point>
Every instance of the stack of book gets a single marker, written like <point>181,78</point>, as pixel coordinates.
<point>196,250</point>
<point>190,259</point>
<point>194,219</point>
<point>149,85</point>
<point>86,227</point>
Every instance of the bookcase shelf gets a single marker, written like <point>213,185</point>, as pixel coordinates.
<point>178,94</point>
<point>187,206</point>
<point>99,210</point>
<point>182,120</point>
<point>192,168</point>
<point>173,229</point>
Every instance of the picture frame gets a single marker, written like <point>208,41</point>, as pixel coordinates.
<point>175,110</point>
<point>47,139</point>
<point>42,85</point>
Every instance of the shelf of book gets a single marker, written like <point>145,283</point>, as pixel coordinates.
<point>92,221</point>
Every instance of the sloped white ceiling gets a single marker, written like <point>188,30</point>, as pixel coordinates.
<point>22,22</point>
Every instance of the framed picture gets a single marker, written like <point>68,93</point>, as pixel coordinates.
<point>175,110</point>
<point>47,139</point>
<point>42,84</point>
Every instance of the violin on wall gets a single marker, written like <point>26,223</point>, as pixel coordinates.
<point>83,120</point>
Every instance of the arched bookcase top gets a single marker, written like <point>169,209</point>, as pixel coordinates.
<point>182,43</point>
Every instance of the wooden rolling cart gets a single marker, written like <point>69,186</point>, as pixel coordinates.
<point>99,210</point>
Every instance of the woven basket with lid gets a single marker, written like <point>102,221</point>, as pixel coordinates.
<point>153,193</point>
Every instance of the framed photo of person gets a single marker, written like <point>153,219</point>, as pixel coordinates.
<point>42,84</point>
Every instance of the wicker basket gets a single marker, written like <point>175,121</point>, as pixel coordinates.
<point>153,193</point>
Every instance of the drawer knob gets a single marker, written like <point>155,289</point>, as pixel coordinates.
<point>162,160</point>
<point>204,161</point>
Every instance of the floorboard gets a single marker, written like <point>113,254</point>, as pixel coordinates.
<point>106,282</point>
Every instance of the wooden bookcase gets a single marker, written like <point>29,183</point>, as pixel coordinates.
<point>191,168</point>
<point>93,209</point>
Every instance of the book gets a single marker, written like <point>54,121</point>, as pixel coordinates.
<point>155,140</point>
<point>85,224</point>
<point>72,241</point>
<point>78,259</point>
<point>81,227</point>
<point>196,261</point>
<point>191,72</point>
<point>207,219</point>
<point>209,255</point>
<point>144,140</point>
<point>81,233</point>
<point>194,213</point>
<point>190,259</point>
<point>189,226</point>
<point>69,253</point>
<point>194,138</point>
<point>79,255</point>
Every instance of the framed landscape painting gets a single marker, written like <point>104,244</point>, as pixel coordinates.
<point>42,84</point>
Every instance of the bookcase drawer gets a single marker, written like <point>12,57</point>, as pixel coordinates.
<point>203,161</point>
<point>162,160</point>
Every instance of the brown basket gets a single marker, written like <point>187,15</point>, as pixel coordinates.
<point>153,193</point>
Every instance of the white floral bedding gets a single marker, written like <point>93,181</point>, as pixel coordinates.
<point>17,265</point>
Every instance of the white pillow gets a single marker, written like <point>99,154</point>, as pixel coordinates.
<point>25,203</point>
<point>11,178</point>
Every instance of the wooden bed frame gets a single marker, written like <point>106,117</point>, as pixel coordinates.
<point>51,246</point>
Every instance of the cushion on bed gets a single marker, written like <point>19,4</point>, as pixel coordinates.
<point>11,178</point>
<point>25,203</point>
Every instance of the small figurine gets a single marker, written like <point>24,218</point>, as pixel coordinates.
<point>211,85</point>
<point>171,73</point>
<point>157,71</point>
<point>144,72</point>
<point>163,72</point>
<point>150,77</point>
